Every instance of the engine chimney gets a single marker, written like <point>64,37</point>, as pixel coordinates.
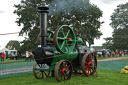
<point>43,24</point>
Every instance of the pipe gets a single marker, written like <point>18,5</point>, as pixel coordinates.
<point>43,24</point>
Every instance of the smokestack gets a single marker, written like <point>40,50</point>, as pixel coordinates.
<point>43,24</point>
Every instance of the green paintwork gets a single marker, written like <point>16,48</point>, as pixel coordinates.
<point>67,37</point>
<point>70,56</point>
<point>79,41</point>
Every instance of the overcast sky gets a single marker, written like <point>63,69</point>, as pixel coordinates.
<point>8,25</point>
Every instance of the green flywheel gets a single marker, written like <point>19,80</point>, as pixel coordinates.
<point>64,39</point>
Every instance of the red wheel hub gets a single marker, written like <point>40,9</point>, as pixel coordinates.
<point>89,63</point>
<point>63,70</point>
<point>68,39</point>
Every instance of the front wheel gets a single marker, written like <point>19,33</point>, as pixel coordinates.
<point>63,70</point>
<point>38,73</point>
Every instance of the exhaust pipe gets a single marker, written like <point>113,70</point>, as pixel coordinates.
<point>43,24</point>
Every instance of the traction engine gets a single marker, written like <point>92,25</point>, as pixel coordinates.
<point>61,52</point>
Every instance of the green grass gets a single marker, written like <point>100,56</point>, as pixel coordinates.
<point>105,77</point>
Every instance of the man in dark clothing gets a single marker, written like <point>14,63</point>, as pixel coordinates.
<point>103,52</point>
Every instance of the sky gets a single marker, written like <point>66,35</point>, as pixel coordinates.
<point>8,25</point>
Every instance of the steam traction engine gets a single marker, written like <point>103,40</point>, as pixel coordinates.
<point>61,52</point>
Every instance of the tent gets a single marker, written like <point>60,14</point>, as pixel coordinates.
<point>4,49</point>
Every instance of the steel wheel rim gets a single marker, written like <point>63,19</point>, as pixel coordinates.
<point>89,64</point>
<point>64,39</point>
<point>40,74</point>
<point>63,70</point>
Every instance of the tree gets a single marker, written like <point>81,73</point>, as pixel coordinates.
<point>119,22</point>
<point>82,16</point>
<point>13,45</point>
<point>108,44</point>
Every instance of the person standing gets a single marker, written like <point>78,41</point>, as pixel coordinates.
<point>16,56</point>
<point>31,56</point>
<point>2,56</point>
<point>113,54</point>
<point>27,56</point>
<point>103,53</point>
<point>119,53</point>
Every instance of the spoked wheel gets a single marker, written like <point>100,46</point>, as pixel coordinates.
<point>64,39</point>
<point>89,64</point>
<point>40,74</point>
<point>63,70</point>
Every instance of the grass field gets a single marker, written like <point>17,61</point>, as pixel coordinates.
<point>105,77</point>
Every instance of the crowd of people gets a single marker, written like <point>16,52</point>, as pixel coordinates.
<point>28,56</point>
<point>109,53</point>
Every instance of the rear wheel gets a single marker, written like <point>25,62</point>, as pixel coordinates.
<point>89,64</point>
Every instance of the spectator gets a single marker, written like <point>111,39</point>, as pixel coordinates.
<point>2,56</point>
<point>99,53</point>
<point>31,56</point>
<point>113,54</point>
<point>103,53</point>
<point>122,53</point>
<point>16,55</point>
<point>108,54</point>
<point>127,52</point>
<point>119,53</point>
<point>27,56</point>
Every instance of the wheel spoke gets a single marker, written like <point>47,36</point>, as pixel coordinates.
<point>67,46</point>
<point>60,38</point>
<point>90,71</point>
<point>85,67</point>
<point>67,33</point>
<point>42,75</point>
<point>63,45</point>
<point>49,36</point>
<point>45,73</point>
<point>37,72</point>
<point>62,32</point>
<point>68,76</point>
<point>90,58</point>
<point>39,65</point>
<point>61,77</point>
<point>87,72</point>
<point>67,66</point>
<point>64,76</point>
<point>39,75</point>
